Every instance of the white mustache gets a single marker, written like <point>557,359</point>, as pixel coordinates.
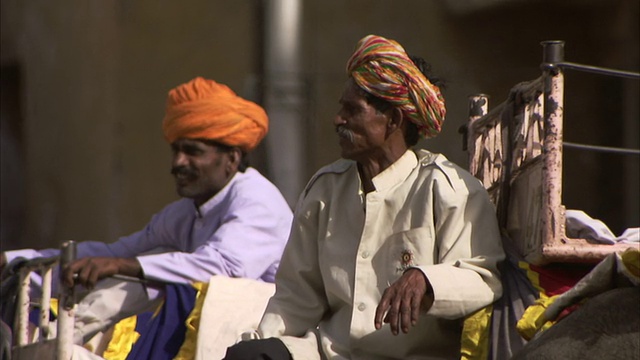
<point>344,133</point>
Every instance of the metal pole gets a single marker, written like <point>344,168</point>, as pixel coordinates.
<point>284,98</point>
<point>551,218</point>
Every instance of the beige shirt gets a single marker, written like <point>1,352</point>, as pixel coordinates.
<point>346,247</point>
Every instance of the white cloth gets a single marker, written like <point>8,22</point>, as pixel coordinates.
<point>109,302</point>
<point>347,247</point>
<point>579,225</point>
<point>231,307</point>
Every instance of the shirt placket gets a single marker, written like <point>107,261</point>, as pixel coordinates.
<point>364,306</point>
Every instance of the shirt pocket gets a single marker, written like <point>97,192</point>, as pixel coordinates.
<point>403,250</point>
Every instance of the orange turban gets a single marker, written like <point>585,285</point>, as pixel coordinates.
<point>204,109</point>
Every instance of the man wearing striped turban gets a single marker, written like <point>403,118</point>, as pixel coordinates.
<point>391,247</point>
<point>231,220</point>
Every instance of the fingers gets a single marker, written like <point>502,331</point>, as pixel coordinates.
<point>68,275</point>
<point>88,275</point>
<point>401,315</point>
<point>87,271</point>
<point>394,315</point>
<point>382,308</point>
<point>400,304</point>
<point>416,302</point>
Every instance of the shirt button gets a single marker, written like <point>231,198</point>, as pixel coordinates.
<point>365,254</point>
<point>362,306</point>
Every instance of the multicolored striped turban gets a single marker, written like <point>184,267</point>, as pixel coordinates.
<point>382,68</point>
<point>204,109</point>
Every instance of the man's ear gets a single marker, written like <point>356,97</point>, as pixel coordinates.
<point>396,119</point>
<point>235,157</point>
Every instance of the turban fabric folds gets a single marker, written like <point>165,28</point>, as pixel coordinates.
<point>382,68</point>
<point>204,109</point>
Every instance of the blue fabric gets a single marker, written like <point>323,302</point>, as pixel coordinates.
<point>161,336</point>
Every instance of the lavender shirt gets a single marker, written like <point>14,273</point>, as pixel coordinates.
<point>240,232</point>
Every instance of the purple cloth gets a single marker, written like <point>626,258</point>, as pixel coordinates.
<point>161,336</point>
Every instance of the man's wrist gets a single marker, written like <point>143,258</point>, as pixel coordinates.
<point>428,299</point>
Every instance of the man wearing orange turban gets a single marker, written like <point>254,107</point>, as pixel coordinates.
<point>231,220</point>
<point>204,109</point>
<point>391,247</point>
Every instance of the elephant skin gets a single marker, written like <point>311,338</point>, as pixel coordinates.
<point>607,326</point>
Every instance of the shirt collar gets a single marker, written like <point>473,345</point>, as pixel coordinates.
<point>397,172</point>
<point>215,199</point>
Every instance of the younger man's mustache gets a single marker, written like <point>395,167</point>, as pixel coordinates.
<point>183,171</point>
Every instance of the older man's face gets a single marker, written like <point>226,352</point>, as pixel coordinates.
<point>361,128</point>
<point>201,169</point>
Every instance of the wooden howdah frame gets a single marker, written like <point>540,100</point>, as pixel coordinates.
<point>516,151</point>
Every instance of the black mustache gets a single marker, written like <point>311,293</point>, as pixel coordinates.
<point>181,170</point>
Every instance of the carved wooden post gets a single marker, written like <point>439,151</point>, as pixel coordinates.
<point>478,107</point>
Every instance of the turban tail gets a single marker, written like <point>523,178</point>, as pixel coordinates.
<point>204,109</point>
<point>382,68</point>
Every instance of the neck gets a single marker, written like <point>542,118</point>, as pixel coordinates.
<point>370,167</point>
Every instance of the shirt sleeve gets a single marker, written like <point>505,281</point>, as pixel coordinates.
<point>125,247</point>
<point>466,277</point>
<point>248,241</point>
<point>299,302</point>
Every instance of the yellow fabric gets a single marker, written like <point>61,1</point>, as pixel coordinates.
<point>53,304</point>
<point>533,320</point>
<point>474,342</point>
<point>631,262</point>
<point>188,349</point>
<point>124,336</point>
<point>533,276</point>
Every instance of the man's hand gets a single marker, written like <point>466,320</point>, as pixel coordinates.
<point>91,269</point>
<point>403,300</point>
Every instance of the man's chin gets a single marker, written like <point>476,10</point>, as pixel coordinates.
<point>183,191</point>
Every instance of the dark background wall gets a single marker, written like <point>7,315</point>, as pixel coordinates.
<point>84,85</point>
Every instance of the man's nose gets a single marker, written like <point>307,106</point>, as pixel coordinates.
<point>179,159</point>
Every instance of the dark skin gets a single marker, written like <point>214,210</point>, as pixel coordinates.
<point>376,140</point>
<point>201,170</point>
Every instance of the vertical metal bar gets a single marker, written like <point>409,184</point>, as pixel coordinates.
<point>66,306</point>
<point>284,95</point>
<point>45,305</point>
<point>22,316</point>
<point>552,52</point>
<point>553,111</point>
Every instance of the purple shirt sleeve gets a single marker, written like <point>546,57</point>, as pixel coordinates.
<point>242,233</point>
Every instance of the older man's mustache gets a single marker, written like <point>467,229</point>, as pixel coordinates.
<point>345,133</point>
